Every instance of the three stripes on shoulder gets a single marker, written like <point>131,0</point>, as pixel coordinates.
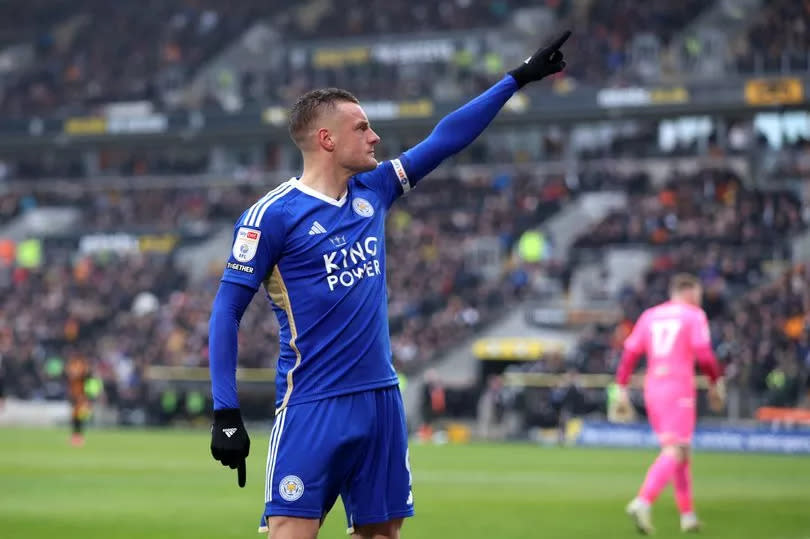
<point>316,228</point>
<point>254,215</point>
<point>256,212</point>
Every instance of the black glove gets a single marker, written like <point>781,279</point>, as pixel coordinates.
<point>230,443</point>
<point>546,61</point>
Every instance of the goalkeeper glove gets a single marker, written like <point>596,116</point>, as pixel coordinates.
<point>717,396</point>
<point>230,443</point>
<point>546,61</point>
<point>621,409</point>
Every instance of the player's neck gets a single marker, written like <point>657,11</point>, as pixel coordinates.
<point>326,178</point>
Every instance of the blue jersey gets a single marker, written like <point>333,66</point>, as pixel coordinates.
<point>322,263</point>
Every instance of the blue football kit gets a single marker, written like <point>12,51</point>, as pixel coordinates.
<point>339,424</point>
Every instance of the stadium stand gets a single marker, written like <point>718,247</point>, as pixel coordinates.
<point>19,21</point>
<point>713,226</point>
<point>709,223</point>
<point>436,296</point>
<point>342,18</point>
<point>760,336</point>
<point>778,39</point>
<point>454,256</point>
<point>612,27</point>
<point>116,52</point>
<point>76,299</point>
<point>711,206</point>
<point>124,52</point>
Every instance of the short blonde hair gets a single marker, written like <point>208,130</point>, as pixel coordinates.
<point>683,281</point>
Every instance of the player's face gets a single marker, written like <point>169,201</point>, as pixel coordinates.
<point>354,139</point>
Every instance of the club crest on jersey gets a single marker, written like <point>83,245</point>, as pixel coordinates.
<point>291,488</point>
<point>338,241</point>
<point>362,207</point>
<point>246,244</point>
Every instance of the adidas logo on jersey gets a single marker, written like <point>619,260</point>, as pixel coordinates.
<point>316,228</point>
<point>229,432</point>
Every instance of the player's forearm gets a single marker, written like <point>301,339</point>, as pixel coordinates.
<point>223,330</point>
<point>708,364</point>
<point>626,366</point>
<point>458,129</point>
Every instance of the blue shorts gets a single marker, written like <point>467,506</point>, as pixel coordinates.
<point>354,445</point>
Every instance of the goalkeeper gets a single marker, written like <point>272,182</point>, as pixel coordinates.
<point>674,336</point>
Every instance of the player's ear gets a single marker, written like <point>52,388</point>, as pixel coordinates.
<point>325,140</point>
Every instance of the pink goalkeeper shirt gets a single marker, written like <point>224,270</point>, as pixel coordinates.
<point>673,335</point>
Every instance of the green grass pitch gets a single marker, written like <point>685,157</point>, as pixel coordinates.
<point>164,484</point>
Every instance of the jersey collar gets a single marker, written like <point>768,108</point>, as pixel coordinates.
<point>317,194</point>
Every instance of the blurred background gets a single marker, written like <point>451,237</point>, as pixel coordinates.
<point>133,134</point>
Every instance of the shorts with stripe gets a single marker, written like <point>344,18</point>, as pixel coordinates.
<point>354,445</point>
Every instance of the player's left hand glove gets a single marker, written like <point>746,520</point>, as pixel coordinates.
<point>546,61</point>
<point>230,443</point>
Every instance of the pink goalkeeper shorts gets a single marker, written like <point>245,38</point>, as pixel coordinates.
<point>672,417</point>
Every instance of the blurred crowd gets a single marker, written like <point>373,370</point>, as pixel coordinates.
<point>790,163</point>
<point>94,52</point>
<point>447,243</point>
<point>778,38</point>
<point>735,240</point>
<point>762,336</point>
<point>126,311</point>
<point>439,244</point>
<point>710,206</point>
<point>602,50</point>
<point>32,19</point>
<point>711,226</point>
<point>119,51</point>
<point>608,28</point>
<point>137,209</point>
<point>344,18</point>
<point>64,307</point>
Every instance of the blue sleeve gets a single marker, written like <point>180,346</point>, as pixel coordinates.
<point>457,130</point>
<point>388,180</point>
<point>451,135</point>
<point>223,328</point>
<point>255,250</point>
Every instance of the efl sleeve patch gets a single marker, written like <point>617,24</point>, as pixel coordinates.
<point>246,244</point>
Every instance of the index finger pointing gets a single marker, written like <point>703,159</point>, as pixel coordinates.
<point>560,40</point>
<point>240,473</point>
